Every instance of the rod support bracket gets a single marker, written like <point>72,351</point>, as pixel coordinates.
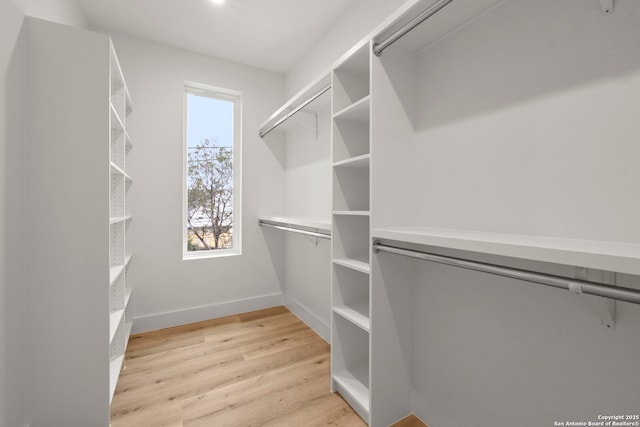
<point>607,6</point>
<point>606,307</point>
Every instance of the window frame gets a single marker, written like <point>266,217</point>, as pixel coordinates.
<point>200,89</point>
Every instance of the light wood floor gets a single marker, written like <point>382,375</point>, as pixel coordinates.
<point>264,368</point>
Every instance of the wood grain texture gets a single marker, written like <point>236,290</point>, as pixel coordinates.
<point>410,421</point>
<point>264,368</point>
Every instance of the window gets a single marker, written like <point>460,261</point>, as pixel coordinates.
<point>212,142</point>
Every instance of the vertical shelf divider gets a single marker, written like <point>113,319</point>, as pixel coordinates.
<point>350,251</point>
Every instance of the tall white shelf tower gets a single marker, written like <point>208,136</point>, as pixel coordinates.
<point>77,186</point>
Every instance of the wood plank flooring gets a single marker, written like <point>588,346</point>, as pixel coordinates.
<point>264,368</point>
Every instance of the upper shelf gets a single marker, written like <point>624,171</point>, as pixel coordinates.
<point>452,17</point>
<point>602,255</point>
<point>357,112</point>
<point>320,224</point>
<point>313,98</point>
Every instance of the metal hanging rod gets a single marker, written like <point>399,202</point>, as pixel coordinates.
<point>295,230</point>
<point>379,46</point>
<point>287,116</point>
<point>573,285</point>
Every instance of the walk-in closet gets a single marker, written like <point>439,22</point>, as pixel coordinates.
<point>399,213</point>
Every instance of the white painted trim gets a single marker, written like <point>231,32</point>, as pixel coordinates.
<point>311,319</point>
<point>433,413</point>
<point>197,314</point>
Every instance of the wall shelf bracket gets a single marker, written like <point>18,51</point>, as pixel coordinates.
<point>607,6</point>
<point>605,307</point>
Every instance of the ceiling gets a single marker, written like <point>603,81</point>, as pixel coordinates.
<point>270,34</point>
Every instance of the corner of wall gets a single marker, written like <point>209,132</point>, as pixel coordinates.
<point>67,12</point>
<point>356,22</point>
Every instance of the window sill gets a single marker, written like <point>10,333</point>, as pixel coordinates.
<point>216,253</point>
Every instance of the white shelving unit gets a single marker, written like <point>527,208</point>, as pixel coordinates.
<point>79,146</point>
<point>350,236</point>
<point>121,312</point>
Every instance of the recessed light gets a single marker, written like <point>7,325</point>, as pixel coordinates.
<point>217,1</point>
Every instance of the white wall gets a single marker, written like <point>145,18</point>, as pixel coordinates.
<point>529,125</point>
<point>12,86</point>
<point>354,24</point>
<point>168,290</point>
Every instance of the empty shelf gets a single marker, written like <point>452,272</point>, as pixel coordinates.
<point>354,391</point>
<point>602,255</point>
<point>358,314</point>
<point>114,373</point>
<point>357,112</point>
<point>114,321</point>
<point>355,264</point>
<point>361,161</point>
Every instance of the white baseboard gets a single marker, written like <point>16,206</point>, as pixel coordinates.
<point>311,319</point>
<point>432,413</point>
<point>197,314</point>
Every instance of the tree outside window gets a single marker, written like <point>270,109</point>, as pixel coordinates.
<point>210,143</point>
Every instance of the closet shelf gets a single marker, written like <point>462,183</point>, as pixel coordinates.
<point>455,16</point>
<point>127,296</point>
<point>320,224</point>
<point>310,96</point>
<point>357,112</point>
<point>358,314</point>
<point>128,327</point>
<point>128,105</point>
<point>117,219</point>
<point>353,390</point>
<point>352,213</point>
<point>355,264</point>
<point>358,162</point>
<point>114,321</point>
<point>602,255</point>
<point>116,122</point>
<point>114,273</point>
<point>115,169</point>
<point>114,371</point>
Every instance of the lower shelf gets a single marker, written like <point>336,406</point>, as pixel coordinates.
<point>354,391</point>
<point>114,373</point>
<point>361,264</point>
<point>358,314</point>
<point>114,322</point>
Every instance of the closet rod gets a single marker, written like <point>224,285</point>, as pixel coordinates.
<point>573,285</point>
<point>379,46</point>
<point>295,230</point>
<point>287,116</point>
